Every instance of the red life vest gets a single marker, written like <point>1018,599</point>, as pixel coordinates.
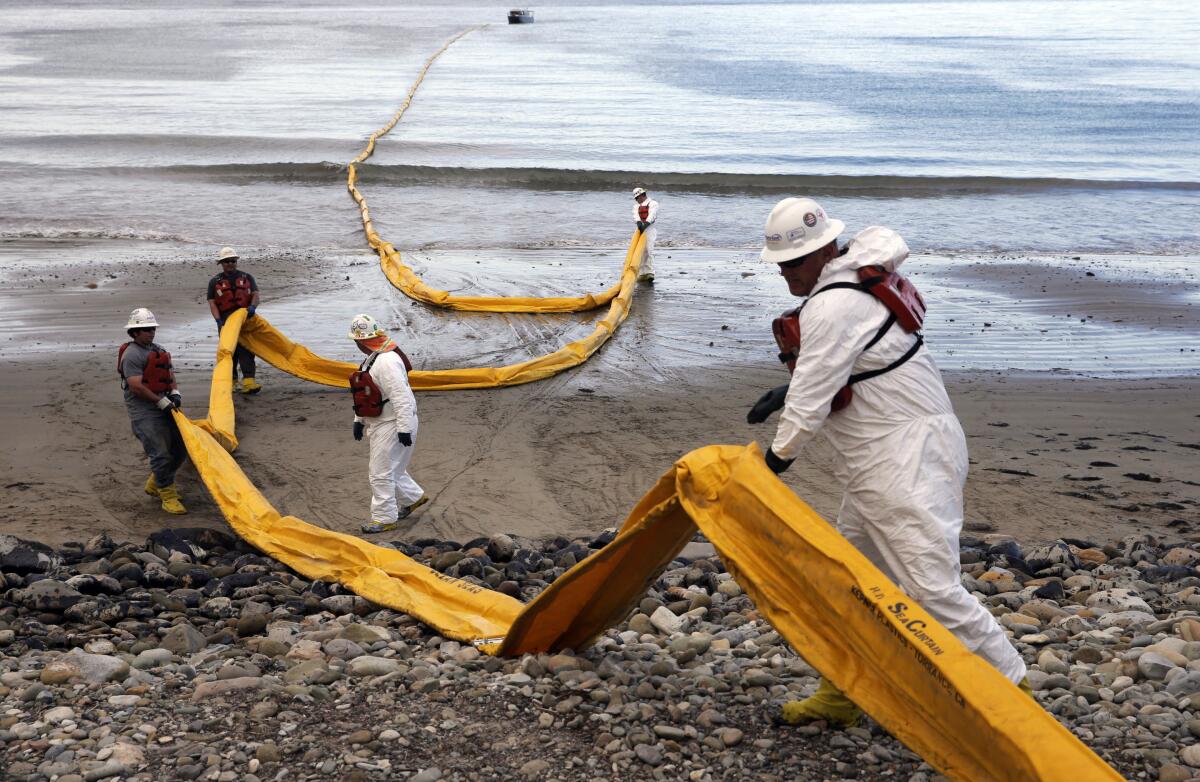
<point>368,397</point>
<point>230,295</point>
<point>158,376</point>
<point>644,210</point>
<point>905,306</point>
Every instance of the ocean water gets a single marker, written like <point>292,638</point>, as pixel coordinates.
<point>980,126</point>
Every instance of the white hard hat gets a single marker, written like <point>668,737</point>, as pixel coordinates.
<point>227,253</point>
<point>639,191</point>
<point>796,227</point>
<point>141,318</point>
<point>364,327</point>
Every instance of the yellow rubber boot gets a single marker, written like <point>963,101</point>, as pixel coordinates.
<point>1025,687</point>
<point>170,500</point>
<point>827,704</point>
<point>151,486</point>
<point>250,386</point>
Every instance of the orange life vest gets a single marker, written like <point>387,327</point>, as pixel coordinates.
<point>644,210</point>
<point>230,295</point>
<point>158,376</point>
<point>368,397</point>
<point>905,306</point>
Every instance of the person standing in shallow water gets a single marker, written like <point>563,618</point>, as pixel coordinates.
<point>645,213</point>
<point>148,381</point>
<point>228,291</point>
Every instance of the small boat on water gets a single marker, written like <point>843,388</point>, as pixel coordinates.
<point>520,16</point>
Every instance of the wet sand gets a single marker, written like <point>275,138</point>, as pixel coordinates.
<point>1054,454</point>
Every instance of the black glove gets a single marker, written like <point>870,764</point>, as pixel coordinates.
<point>358,430</point>
<point>176,399</point>
<point>250,312</point>
<point>641,226</point>
<point>776,464</point>
<point>405,439</point>
<point>220,323</point>
<point>768,403</point>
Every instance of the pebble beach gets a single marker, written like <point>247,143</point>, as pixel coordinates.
<point>189,656</point>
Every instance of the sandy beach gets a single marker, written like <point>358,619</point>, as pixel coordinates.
<point>1054,454</point>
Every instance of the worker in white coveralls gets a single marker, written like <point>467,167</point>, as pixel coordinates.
<point>385,409</point>
<point>645,212</point>
<point>874,389</point>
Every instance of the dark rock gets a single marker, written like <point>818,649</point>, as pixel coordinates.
<point>26,556</point>
<point>1019,566</point>
<point>129,574</point>
<point>195,577</point>
<point>83,612</point>
<point>1008,548</point>
<point>468,566</point>
<point>158,576</point>
<point>252,624</point>
<point>1163,573</point>
<point>166,541</point>
<point>99,546</point>
<point>445,560</point>
<point>441,545</point>
<point>501,548</point>
<point>183,639</point>
<point>48,595</point>
<point>1050,591</point>
<point>528,558</point>
<point>1042,557</point>
<point>114,612</point>
<point>95,585</point>
<point>190,597</point>
<point>235,581</point>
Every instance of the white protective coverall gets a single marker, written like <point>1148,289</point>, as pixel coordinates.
<point>389,459</point>
<point>651,232</point>
<point>901,453</point>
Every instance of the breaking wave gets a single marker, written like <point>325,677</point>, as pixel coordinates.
<point>883,186</point>
<point>126,234</point>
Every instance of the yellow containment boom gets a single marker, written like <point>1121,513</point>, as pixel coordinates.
<point>268,343</point>
<point>403,277</point>
<point>830,603</point>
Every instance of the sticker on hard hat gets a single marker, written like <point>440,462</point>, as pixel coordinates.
<point>810,219</point>
<point>774,238</point>
<point>795,234</point>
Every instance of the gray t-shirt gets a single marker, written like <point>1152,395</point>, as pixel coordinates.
<point>133,363</point>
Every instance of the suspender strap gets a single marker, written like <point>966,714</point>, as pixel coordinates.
<point>366,367</point>
<point>861,376</point>
<point>887,324</point>
<point>854,286</point>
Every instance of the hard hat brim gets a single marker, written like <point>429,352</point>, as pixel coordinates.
<point>224,258</point>
<point>833,229</point>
